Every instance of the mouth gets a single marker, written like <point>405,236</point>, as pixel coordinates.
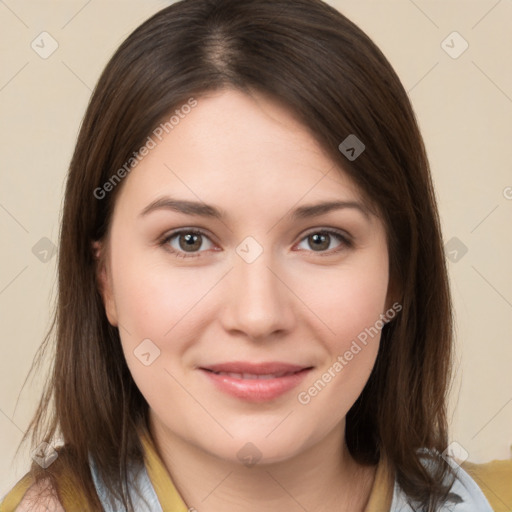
<point>264,376</point>
<point>255,382</point>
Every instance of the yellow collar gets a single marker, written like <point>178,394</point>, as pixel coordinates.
<point>167,494</point>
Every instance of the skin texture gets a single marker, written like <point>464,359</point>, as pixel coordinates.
<point>40,497</point>
<point>250,157</point>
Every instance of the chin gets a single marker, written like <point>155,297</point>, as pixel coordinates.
<point>249,450</point>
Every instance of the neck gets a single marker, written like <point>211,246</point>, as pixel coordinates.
<point>325,477</point>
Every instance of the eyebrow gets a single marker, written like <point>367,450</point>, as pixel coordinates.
<point>205,210</point>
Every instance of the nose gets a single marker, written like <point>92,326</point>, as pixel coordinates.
<point>259,302</point>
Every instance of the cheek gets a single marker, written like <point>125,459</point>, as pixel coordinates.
<point>350,306</point>
<point>152,297</point>
<point>163,304</point>
<point>349,298</point>
<point>358,307</point>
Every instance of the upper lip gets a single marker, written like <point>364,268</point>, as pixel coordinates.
<point>266,368</point>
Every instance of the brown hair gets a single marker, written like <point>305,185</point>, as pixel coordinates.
<point>325,69</point>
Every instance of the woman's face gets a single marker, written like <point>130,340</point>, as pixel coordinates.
<point>260,322</point>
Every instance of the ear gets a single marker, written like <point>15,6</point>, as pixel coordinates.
<point>104,281</point>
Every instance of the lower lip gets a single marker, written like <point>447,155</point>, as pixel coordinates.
<point>257,390</point>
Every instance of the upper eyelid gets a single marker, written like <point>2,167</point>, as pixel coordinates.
<point>179,231</point>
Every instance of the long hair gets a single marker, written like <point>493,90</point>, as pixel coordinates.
<point>314,60</point>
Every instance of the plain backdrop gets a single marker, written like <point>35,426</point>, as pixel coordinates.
<point>463,101</point>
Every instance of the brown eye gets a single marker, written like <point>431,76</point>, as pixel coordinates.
<point>319,241</point>
<point>322,242</point>
<point>189,243</point>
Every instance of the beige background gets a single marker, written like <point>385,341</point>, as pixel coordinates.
<point>464,106</point>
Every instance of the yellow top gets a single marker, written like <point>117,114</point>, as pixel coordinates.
<point>494,478</point>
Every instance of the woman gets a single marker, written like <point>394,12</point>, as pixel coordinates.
<point>254,309</point>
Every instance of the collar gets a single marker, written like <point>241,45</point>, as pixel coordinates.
<point>380,497</point>
<point>158,493</point>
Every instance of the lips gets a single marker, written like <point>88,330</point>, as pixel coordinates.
<point>255,382</point>
<point>253,376</point>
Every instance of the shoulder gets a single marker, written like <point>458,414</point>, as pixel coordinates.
<point>495,480</point>
<point>29,496</point>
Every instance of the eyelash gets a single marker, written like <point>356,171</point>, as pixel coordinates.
<point>346,243</point>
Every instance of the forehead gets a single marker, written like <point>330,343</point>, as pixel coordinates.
<point>240,151</point>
